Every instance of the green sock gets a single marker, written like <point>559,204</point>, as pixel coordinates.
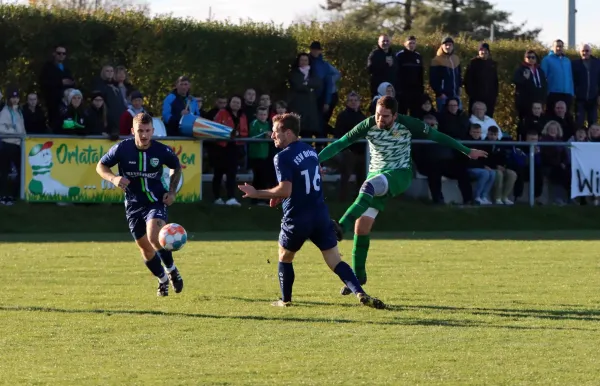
<point>358,207</point>
<point>359,256</point>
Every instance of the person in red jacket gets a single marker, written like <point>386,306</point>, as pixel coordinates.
<point>226,154</point>
<point>126,120</point>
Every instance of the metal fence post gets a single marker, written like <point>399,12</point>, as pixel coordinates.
<point>367,160</point>
<point>532,174</point>
<point>22,171</point>
<point>201,152</point>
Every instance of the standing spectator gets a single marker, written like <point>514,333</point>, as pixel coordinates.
<point>382,64</point>
<point>484,176</point>
<point>445,74</point>
<point>220,104</point>
<point>481,80</point>
<point>113,99</point>
<point>384,89</point>
<point>519,162</point>
<point>126,120</point>
<point>410,83</point>
<point>322,70</point>
<point>96,121</point>
<point>352,160</point>
<point>586,80</point>
<point>34,116</point>
<point>530,84</point>
<point>533,122</point>
<point>453,121</point>
<point>564,119</point>
<point>55,77</point>
<point>554,163</point>
<point>72,119</point>
<point>123,84</point>
<point>11,122</point>
<point>304,84</point>
<point>177,104</point>
<point>249,104</point>
<point>200,103</point>
<point>481,118</point>
<point>227,154</point>
<point>258,153</point>
<point>497,160</point>
<point>335,98</point>
<point>557,67</point>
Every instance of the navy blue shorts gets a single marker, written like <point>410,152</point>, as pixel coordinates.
<point>137,218</point>
<point>318,229</point>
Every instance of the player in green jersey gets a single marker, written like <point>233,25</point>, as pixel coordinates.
<point>390,170</point>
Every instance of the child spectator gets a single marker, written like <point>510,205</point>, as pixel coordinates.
<point>519,162</point>
<point>594,133</point>
<point>34,116</point>
<point>281,107</point>
<point>554,162</point>
<point>497,160</point>
<point>126,120</point>
<point>534,121</point>
<point>258,153</point>
<point>483,174</point>
<point>265,101</point>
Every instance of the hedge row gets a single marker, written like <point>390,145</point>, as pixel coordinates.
<point>220,58</point>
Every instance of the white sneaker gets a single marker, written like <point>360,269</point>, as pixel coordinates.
<point>499,202</point>
<point>508,202</point>
<point>478,201</point>
<point>232,202</point>
<point>219,202</point>
<point>485,201</point>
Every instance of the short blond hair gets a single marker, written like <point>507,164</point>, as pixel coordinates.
<point>142,119</point>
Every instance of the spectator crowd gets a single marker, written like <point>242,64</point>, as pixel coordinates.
<point>556,99</point>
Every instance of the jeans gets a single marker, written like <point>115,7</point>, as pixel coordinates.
<point>484,181</point>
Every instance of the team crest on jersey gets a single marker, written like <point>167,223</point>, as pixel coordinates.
<point>154,162</point>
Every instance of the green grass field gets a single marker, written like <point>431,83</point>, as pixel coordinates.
<point>464,309</point>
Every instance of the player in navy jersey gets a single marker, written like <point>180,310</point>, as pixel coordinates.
<point>140,163</point>
<point>305,214</point>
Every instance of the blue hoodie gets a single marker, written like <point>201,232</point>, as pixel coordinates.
<point>323,70</point>
<point>335,77</point>
<point>558,73</point>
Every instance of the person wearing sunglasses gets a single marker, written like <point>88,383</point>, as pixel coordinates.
<point>586,80</point>
<point>530,84</point>
<point>55,77</point>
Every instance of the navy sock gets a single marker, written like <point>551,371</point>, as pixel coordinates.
<point>286,280</point>
<point>345,273</point>
<point>166,257</point>
<point>156,267</point>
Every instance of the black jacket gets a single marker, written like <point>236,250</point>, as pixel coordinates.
<point>481,79</point>
<point>346,120</point>
<point>410,74</point>
<point>529,90</point>
<point>35,121</point>
<point>530,123</point>
<point>51,83</point>
<point>379,70</point>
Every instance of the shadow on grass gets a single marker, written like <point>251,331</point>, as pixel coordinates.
<point>272,236</point>
<point>400,321</point>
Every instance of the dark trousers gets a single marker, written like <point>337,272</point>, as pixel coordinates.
<point>225,163</point>
<point>409,102</point>
<point>10,154</point>
<point>335,99</point>
<point>523,176</point>
<point>587,111</point>
<point>490,105</point>
<point>350,163</point>
<point>554,97</point>
<point>455,170</point>
<point>560,179</point>
<point>262,174</point>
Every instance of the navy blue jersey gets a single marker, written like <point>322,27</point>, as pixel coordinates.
<point>143,168</point>
<point>299,164</point>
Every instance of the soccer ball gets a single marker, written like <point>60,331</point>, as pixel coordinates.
<point>172,237</point>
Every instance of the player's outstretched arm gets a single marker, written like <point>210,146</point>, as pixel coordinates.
<point>357,133</point>
<point>446,140</point>
<point>283,190</point>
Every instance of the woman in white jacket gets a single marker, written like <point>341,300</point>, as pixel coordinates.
<point>11,122</point>
<point>479,117</point>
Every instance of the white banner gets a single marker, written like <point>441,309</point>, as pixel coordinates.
<point>585,169</point>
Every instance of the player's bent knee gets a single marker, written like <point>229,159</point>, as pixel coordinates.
<point>378,185</point>
<point>364,224</point>
<point>286,256</point>
<point>332,257</point>
<point>153,228</point>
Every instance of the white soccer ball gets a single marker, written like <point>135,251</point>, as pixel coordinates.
<point>172,237</point>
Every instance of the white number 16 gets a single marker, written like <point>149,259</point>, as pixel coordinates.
<point>316,182</point>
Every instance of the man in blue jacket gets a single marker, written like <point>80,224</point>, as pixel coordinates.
<point>177,104</point>
<point>323,70</point>
<point>445,75</point>
<point>586,81</point>
<point>557,67</point>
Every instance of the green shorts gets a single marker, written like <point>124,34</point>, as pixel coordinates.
<point>398,182</point>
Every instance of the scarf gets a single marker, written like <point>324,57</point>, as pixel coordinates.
<point>305,71</point>
<point>535,75</point>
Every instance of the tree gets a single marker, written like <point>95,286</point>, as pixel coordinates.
<point>470,17</point>
<point>96,5</point>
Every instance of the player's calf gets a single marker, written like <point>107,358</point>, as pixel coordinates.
<point>286,276</point>
<point>153,227</point>
<point>153,263</point>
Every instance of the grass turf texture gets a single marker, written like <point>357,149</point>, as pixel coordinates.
<point>463,310</point>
